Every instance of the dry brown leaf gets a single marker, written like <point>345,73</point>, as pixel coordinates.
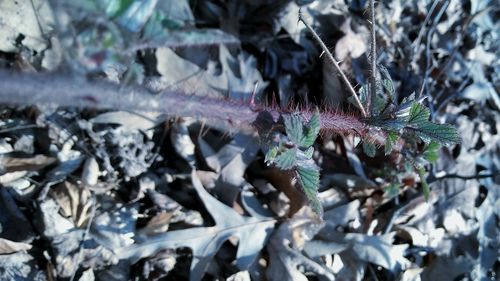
<point>10,163</point>
<point>9,247</point>
<point>283,181</point>
<point>74,202</point>
<point>158,224</point>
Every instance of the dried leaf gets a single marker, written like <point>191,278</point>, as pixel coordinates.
<point>205,241</point>
<point>9,247</point>
<point>9,162</point>
<point>20,266</point>
<point>20,17</point>
<point>374,249</point>
<point>284,256</point>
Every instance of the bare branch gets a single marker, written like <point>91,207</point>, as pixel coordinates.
<point>373,60</point>
<point>335,63</point>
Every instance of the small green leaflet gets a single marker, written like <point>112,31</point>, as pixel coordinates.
<point>431,152</point>
<point>131,14</point>
<point>392,190</point>
<point>271,154</point>
<point>115,8</point>
<point>312,130</point>
<point>390,140</point>
<point>387,83</point>
<point>302,136</point>
<point>369,149</point>
<point>308,154</point>
<point>418,122</point>
<point>444,134</point>
<point>297,154</point>
<point>308,176</point>
<point>419,114</point>
<point>286,160</point>
<point>363,93</point>
<point>294,128</point>
<point>425,186</point>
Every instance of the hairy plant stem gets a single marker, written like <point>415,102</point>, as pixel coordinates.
<point>60,89</point>
<point>335,63</point>
<point>373,61</point>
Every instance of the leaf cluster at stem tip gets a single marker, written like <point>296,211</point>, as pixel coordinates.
<point>294,152</point>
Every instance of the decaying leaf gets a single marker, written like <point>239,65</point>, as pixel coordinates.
<point>9,247</point>
<point>284,250</point>
<point>20,266</point>
<point>27,21</point>
<point>74,202</point>
<point>251,232</point>
<point>378,250</point>
<point>12,163</point>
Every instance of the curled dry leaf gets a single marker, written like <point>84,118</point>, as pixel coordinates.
<point>252,234</point>
<point>284,250</point>
<point>12,163</point>
<point>74,202</point>
<point>9,247</point>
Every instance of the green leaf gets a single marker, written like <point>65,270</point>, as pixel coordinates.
<point>379,103</point>
<point>425,186</point>
<point>369,149</point>
<point>137,14</point>
<point>294,128</point>
<point>431,152</point>
<point>392,189</point>
<point>387,82</point>
<point>363,93</point>
<point>308,177</point>
<point>387,123</point>
<point>389,87</point>
<point>271,154</point>
<point>312,130</point>
<point>391,139</point>
<point>419,114</point>
<point>287,159</point>
<point>418,121</point>
<point>444,134</point>
<point>308,153</point>
<point>114,8</point>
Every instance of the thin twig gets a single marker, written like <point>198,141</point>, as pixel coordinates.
<point>16,128</point>
<point>455,176</point>
<point>425,84</point>
<point>84,237</point>
<point>416,43</point>
<point>373,60</point>
<point>335,63</point>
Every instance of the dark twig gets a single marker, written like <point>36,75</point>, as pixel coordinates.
<point>416,43</point>
<point>84,237</point>
<point>373,60</point>
<point>425,81</point>
<point>335,63</point>
<point>17,128</point>
<point>455,176</point>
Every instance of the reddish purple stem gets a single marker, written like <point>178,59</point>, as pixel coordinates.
<point>69,91</point>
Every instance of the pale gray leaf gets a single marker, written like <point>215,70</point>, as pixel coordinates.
<point>20,267</point>
<point>205,241</point>
<point>130,121</point>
